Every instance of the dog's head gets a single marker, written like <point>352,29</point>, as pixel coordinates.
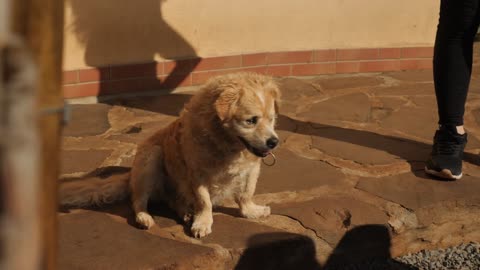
<point>248,107</point>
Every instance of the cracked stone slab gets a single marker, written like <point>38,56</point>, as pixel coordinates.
<point>121,153</point>
<point>392,102</point>
<point>293,88</point>
<point>285,127</point>
<point>448,226</point>
<point>474,87</point>
<point>384,107</point>
<point>164,217</point>
<point>142,113</point>
<point>414,89</point>
<point>417,121</point>
<point>332,217</point>
<point>352,107</point>
<point>412,75</point>
<point>476,115</point>
<point>87,120</point>
<point>163,104</point>
<point>236,232</point>
<point>294,173</point>
<point>96,241</point>
<point>345,82</point>
<point>425,101</point>
<point>343,132</point>
<point>295,93</point>
<point>81,161</point>
<point>140,131</point>
<point>420,120</point>
<point>365,147</point>
<point>473,143</point>
<point>250,243</point>
<point>414,191</point>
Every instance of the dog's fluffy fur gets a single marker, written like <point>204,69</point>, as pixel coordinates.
<point>212,151</point>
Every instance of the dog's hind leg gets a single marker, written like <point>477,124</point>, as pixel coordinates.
<point>147,177</point>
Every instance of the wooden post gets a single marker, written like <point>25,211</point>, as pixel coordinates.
<point>40,24</point>
<point>19,159</point>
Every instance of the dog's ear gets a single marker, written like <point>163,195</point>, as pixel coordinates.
<point>226,103</point>
<point>277,97</point>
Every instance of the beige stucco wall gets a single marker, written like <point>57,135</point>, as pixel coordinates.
<point>105,32</point>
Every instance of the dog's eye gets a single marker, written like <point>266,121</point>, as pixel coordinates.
<point>252,121</point>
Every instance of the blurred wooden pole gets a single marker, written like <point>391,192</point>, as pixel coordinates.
<point>40,24</point>
<point>19,157</point>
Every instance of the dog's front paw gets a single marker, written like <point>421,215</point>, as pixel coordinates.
<point>145,220</point>
<point>255,211</point>
<point>202,226</point>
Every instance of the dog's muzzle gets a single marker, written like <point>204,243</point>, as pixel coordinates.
<point>256,151</point>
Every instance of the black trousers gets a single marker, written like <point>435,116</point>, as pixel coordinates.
<point>452,61</point>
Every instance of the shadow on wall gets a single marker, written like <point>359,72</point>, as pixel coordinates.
<point>364,247</point>
<point>125,31</point>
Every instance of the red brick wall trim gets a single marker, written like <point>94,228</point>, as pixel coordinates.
<point>170,74</point>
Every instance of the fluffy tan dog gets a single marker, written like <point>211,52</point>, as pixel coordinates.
<point>212,151</point>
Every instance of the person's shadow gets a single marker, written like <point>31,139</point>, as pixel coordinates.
<point>116,32</point>
<point>415,153</point>
<point>279,251</point>
<point>363,247</point>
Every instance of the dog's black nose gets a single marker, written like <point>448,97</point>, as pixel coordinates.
<point>272,142</point>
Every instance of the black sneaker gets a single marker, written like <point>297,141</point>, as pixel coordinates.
<point>447,153</point>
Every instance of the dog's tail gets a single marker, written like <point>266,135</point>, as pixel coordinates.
<point>95,189</point>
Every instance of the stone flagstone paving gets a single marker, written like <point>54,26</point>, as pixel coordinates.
<point>348,185</point>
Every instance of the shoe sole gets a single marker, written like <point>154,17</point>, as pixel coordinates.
<point>445,173</point>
